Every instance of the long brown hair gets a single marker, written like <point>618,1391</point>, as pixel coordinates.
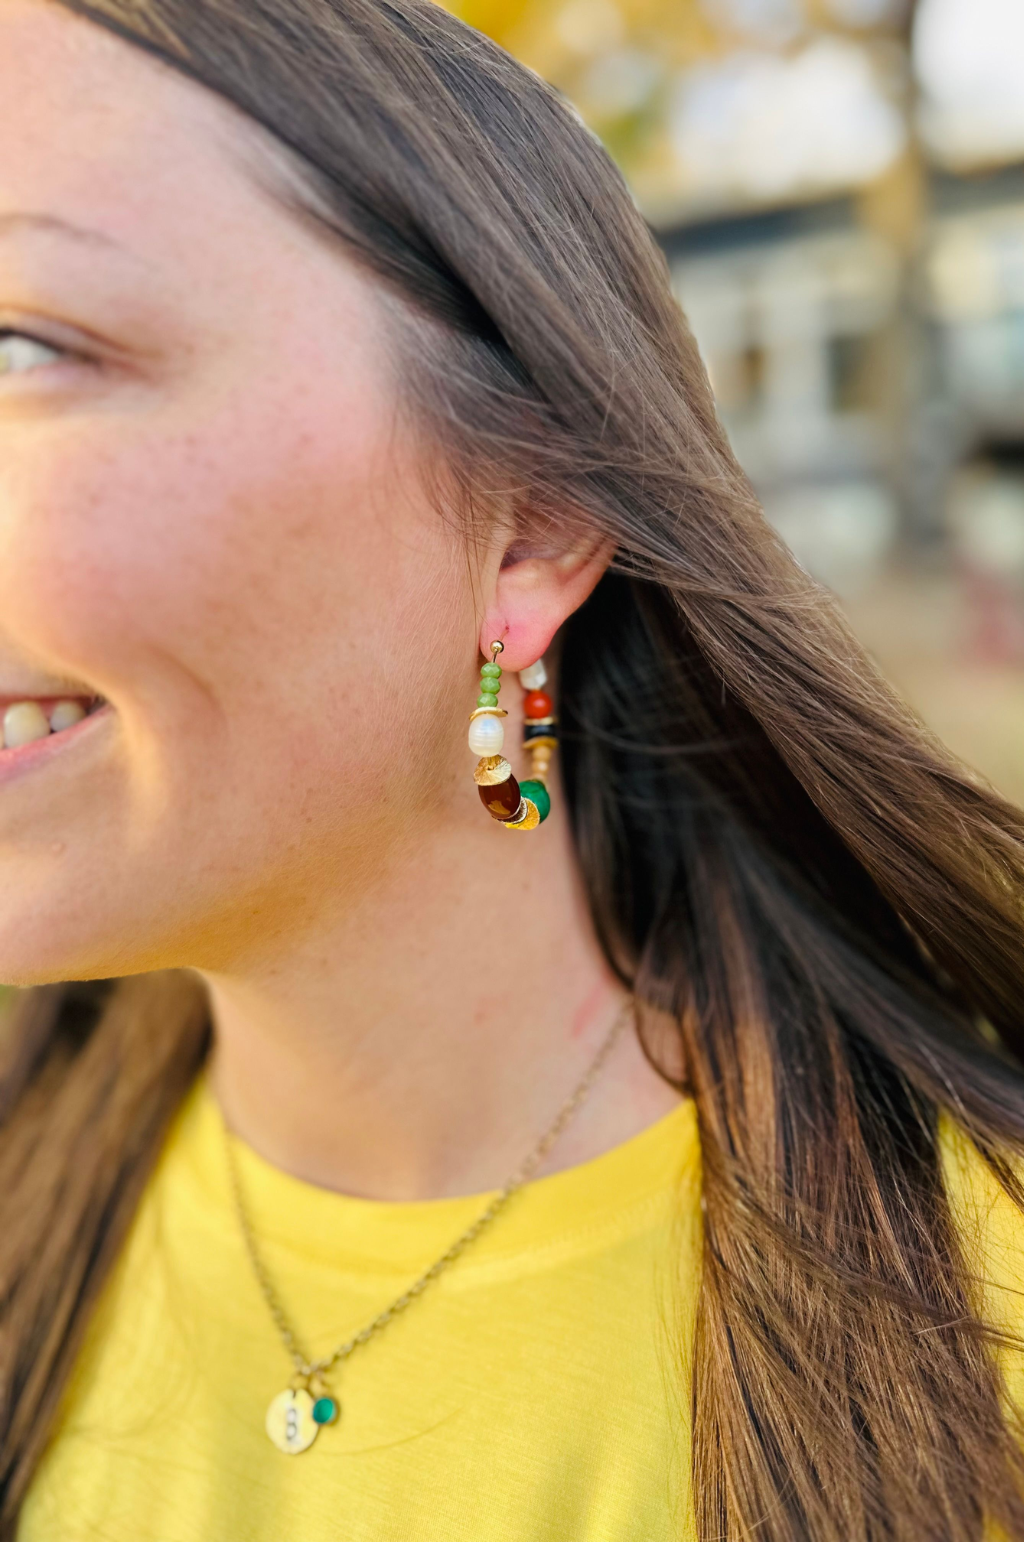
<point>774,848</point>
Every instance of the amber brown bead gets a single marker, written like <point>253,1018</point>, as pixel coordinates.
<point>502,802</point>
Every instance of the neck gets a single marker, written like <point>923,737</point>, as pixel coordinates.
<point>419,1044</point>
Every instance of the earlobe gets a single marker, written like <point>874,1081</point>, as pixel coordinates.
<point>533,597</point>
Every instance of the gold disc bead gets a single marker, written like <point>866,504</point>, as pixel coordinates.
<point>492,771</point>
<point>527,819</point>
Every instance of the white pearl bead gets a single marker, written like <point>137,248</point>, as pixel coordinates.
<point>486,736</point>
<point>535,678</point>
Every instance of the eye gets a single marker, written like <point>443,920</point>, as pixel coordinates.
<point>19,352</point>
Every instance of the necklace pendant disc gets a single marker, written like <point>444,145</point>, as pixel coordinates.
<point>290,1422</point>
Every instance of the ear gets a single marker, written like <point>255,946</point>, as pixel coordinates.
<point>535,594</point>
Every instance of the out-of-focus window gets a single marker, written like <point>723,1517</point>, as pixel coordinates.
<point>839,186</point>
<point>968,57</point>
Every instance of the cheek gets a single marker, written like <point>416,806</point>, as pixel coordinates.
<point>175,535</point>
<point>267,598</point>
<point>113,544</point>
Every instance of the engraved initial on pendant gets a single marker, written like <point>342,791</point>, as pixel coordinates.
<point>294,1419</point>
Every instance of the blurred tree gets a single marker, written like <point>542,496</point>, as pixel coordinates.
<point>668,83</point>
<point>495,17</point>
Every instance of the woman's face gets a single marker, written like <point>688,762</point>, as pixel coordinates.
<point>212,516</point>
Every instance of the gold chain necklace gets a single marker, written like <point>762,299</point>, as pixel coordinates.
<point>297,1415</point>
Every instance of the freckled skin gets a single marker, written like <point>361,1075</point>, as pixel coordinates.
<point>217,520</point>
<point>224,533</point>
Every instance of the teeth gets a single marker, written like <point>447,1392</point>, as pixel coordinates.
<point>66,714</point>
<point>23,723</point>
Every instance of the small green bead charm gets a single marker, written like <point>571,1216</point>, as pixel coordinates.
<point>494,670</point>
<point>538,794</point>
<point>487,699</point>
<point>325,1410</point>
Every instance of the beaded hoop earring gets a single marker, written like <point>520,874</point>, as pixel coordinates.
<point>517,807</point>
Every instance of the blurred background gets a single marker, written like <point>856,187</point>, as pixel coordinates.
<point>839,186</point>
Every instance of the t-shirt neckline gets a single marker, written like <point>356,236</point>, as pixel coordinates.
<point>584,1205</point>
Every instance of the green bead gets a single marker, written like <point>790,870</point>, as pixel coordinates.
<point>538,794</point>
<point>491,669</point>
<point>488,699</point>
<point>325,1410</point>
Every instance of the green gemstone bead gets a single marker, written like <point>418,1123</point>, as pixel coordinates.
<point>325,1410</point>
<point>493,670</point>
<point>487,699</point>
<point>537,793</point>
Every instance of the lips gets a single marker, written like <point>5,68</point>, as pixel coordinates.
<point>23,720</point>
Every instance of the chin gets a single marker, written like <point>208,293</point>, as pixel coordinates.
<point>41,945</point>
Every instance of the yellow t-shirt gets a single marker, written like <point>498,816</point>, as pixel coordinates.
<point>535,1391</point>
<point>992,1231</point>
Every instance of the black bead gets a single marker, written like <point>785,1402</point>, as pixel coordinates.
<point>533,731</point>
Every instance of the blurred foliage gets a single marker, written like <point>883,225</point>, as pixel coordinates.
<point>629,67</point>
<point>616,59</point>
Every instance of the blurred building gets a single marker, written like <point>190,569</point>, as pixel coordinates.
<point>839,185</point>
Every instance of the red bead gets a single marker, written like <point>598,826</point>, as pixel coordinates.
<point>538,704</point>
<point>502,802</point>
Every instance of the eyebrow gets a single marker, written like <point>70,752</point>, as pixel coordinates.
<point>10,223</point>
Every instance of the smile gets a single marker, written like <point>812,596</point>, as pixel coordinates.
<point>24,722</point>
<point>37,730</point>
